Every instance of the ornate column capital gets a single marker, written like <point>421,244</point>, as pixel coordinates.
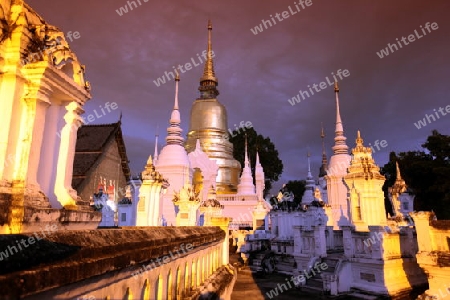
<point>73,115</point>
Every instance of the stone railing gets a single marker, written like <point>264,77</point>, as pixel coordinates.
<point>127,263</point>
<point>374,244</point>
<point>338,240</point>
<point>362,244</point>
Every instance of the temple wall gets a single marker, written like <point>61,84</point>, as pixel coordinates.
<point>241,212</point>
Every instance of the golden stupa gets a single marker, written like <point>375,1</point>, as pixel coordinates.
<point>209,124</point>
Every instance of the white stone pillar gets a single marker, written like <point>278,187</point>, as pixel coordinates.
<point>320,241</point>
<point>135,190</point>
<point>10,85</point>
<point>347,241</point>
<point>64,192</point>
<point>39,104</point>
<point>153,203</point>
<point>49,153</point>
<point>425,238</point>
<point>223,223</point>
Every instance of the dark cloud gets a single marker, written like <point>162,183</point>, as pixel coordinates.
<point>259,73</point>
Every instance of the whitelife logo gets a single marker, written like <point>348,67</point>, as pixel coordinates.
<point>411,38</point>
<point>432,118</point>
<point>318,87</point>
<point>281,16</point>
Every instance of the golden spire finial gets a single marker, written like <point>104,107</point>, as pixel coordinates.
<point>336,87</point>
<point>209,82</point>
<point>359,140</point>
<point>208,72</point>
<point>177,75</point>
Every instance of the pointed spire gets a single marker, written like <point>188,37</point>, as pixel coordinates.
<point>208,71</point>
<point>246,186</point>
<point>308,196</point>
<point>398,176</point>
<point>360,145</point>
<point>197,145</point>
<point>340,147</point>
<point>339,127</point>
<point>259,178</point>
<point>149,161</point>
<point>399,185</point>
<point>259,171</point>
<point>362,163</point>
<point>209,82</point>
<point>309,165</point>
<point>174,130</point>
<point>177,79</point>
<point>323,167</point>
<point>309,178</point>
<point>155,154</point>
<point>246,162</point>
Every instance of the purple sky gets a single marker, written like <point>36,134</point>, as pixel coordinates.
<point>259,73</point>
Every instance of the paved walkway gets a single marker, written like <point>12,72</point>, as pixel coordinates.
<point>257,287</point>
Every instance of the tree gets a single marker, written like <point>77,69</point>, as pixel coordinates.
<point>427,173</point>
<point>268,154</point>
<point>298,188</point>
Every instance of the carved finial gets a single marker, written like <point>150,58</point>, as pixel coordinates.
<point>177,75</point>
<point>336,87</point>
<point>359,140</point>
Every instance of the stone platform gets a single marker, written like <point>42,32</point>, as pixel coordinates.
<point>21,213</point>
